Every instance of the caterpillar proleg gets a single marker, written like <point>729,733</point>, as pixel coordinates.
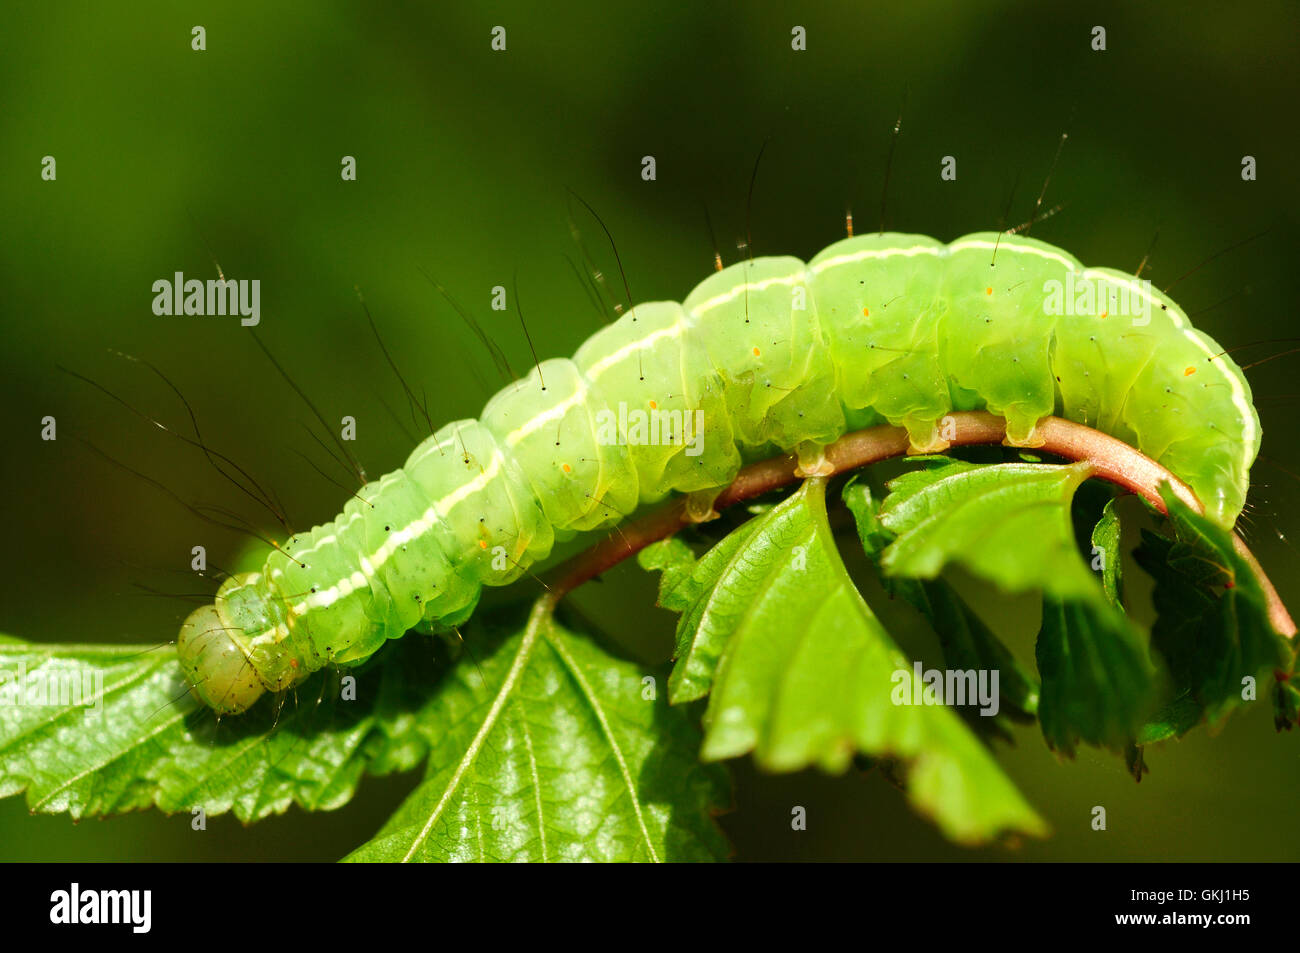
<point>768,355</point>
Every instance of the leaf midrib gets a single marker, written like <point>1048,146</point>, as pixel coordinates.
<point>540,616</point>
<point>614,746</point>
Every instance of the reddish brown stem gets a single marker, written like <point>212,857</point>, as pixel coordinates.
<point>1111,459</point>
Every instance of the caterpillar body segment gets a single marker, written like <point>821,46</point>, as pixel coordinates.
<point>758,324</point>
<point>879,298</point>
<point>769,355</point>
<point>653,361</point>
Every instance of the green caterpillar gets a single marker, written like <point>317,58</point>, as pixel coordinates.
<point>769,355</point>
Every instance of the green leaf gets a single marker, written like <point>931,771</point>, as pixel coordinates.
<point>967,641</point>
<point>1098,685</point>
<point>1172,721</point>
<point>550,749</point>
<point>1212,625</point>
<point>1106,557</point>
<point>1009,523</point>
<point>142,741</point>
<point>149,744</point>
<point>1013,524</point>
<point>808,675</point>
<point>675,561</point>
<point>702,633</point>
<point>1097,682</point>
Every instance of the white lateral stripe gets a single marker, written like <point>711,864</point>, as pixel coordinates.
<point>1012,249</point>
<point>616,357</point>
<point>552,413</point>
<point>323,598</point>
<point>1136,288</point>
<point>868,253</point>
<point>709,304</point>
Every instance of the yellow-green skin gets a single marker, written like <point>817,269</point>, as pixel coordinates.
<point>776,355</point>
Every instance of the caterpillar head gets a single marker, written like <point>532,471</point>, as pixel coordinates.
<point>215,664</point>
<point>223,663</point>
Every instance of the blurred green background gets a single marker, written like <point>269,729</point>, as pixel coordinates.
<point>168,158</point>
